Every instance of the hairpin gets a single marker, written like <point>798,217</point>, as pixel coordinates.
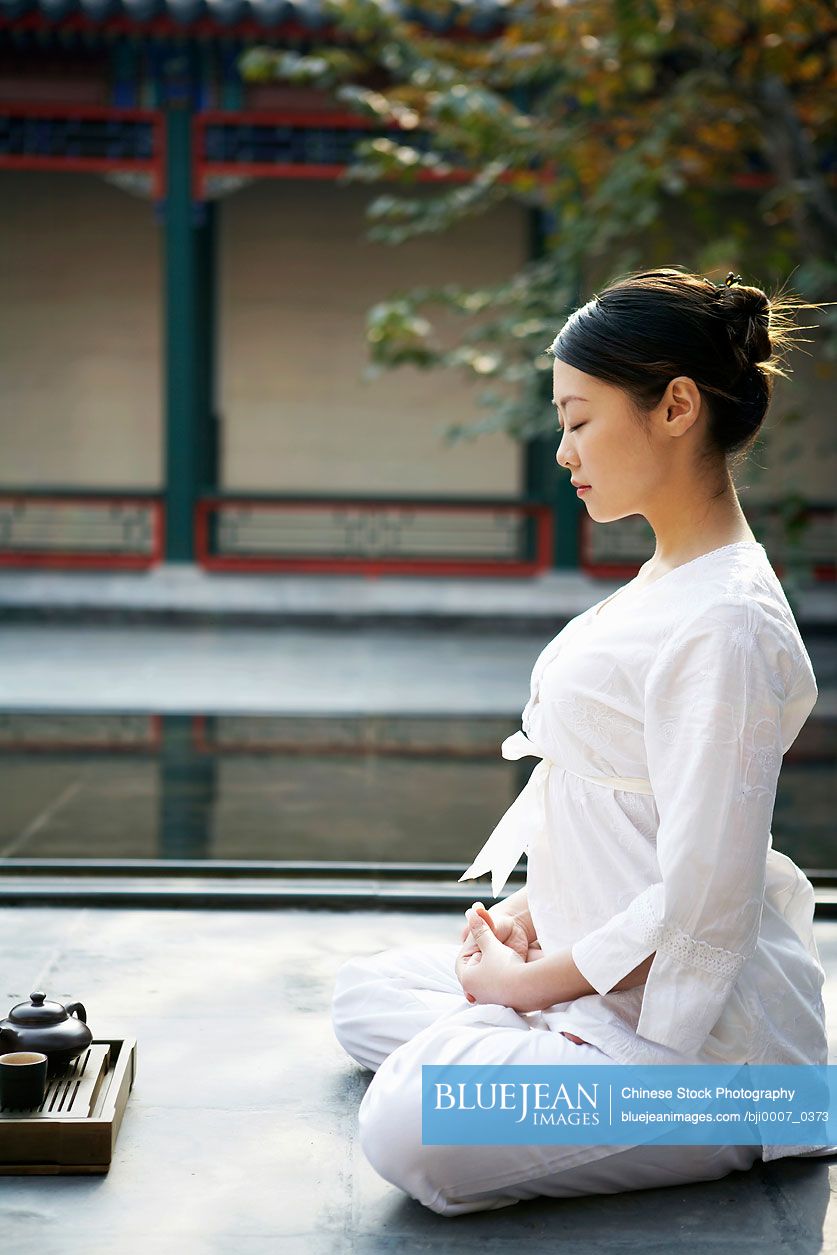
<point>730,280</point>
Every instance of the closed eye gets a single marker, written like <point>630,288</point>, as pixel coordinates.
<point>560,429</point>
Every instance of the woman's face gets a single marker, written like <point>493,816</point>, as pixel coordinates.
<point>603,445</point>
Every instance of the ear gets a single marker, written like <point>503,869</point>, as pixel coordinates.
<point>682,404</point>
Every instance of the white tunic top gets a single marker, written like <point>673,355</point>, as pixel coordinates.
<point>661,725</point>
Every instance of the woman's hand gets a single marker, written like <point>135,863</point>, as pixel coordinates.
<point>487,974</point>
<point>509,929</point>
<point>471,953</point>
<point>504,928</point>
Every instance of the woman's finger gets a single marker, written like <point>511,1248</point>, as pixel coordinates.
<point>481,922</point>
<point>462,960</point>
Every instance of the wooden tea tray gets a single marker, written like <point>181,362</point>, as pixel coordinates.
<point>75,1128</point>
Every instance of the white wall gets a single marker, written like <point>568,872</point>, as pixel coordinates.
<point>80,350</point>
<point>296,278</point>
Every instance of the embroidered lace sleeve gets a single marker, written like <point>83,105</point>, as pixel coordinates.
<point>717,722</point>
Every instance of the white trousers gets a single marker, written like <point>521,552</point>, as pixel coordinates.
<point>400,1008</point>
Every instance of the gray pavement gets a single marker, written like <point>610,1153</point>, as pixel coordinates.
<point>181,592</point>
<point>264,670</point>
<point>289,670</point>
<point>240,1135</point>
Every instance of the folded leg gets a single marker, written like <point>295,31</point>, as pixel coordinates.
<point>382,1000</point>
<point>452,1180</point>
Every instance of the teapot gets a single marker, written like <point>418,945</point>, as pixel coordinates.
<point>48,1027</point>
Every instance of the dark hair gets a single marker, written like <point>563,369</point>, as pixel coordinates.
<point>650,326</point>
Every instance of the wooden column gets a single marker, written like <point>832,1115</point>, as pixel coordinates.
<point>545,480</point>
<point>191,457</point>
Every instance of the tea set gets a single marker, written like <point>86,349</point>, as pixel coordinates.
<point>38,1039</point>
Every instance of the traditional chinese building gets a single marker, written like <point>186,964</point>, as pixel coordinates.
<point>183,288</point>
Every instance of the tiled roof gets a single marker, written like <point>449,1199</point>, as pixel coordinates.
<point>477,16</point>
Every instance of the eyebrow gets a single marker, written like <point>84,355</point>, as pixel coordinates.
<point>564,401</point>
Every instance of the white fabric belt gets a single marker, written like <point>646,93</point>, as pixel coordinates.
<point>526,817</point>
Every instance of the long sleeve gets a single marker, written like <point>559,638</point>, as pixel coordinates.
<point>717,722</point>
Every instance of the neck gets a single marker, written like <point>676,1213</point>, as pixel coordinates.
<point>706,521</point>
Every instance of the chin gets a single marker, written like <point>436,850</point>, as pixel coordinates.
<point>608,516</point>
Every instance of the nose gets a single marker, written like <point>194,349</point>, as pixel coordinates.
<point>561,456</point>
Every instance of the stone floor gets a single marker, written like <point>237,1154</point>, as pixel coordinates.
<point>240,1133</point>
<point>269,670</point>
<point>179,592</point>
<point>131,668</point>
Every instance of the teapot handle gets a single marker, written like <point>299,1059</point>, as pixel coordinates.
<point>77,1007</point>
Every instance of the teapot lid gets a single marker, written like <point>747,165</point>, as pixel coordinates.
<point>38,1011</point>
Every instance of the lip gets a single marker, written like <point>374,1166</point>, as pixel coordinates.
<point>579,487</point>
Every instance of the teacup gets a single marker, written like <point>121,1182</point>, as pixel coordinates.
<point>23,1078</point>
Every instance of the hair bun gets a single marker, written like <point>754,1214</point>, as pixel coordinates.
<point>748,316</point>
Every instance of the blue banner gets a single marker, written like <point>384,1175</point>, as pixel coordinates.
<point>629,1104</point>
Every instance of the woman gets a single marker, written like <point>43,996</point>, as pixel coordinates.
<point>658,924</point>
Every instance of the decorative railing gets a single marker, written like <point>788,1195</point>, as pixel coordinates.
<point>452,737</point>
<point>112,530</point>
<point>614,553</point>
<point>80,529</point>
<point>25,732</point>
<point>373,536</point>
